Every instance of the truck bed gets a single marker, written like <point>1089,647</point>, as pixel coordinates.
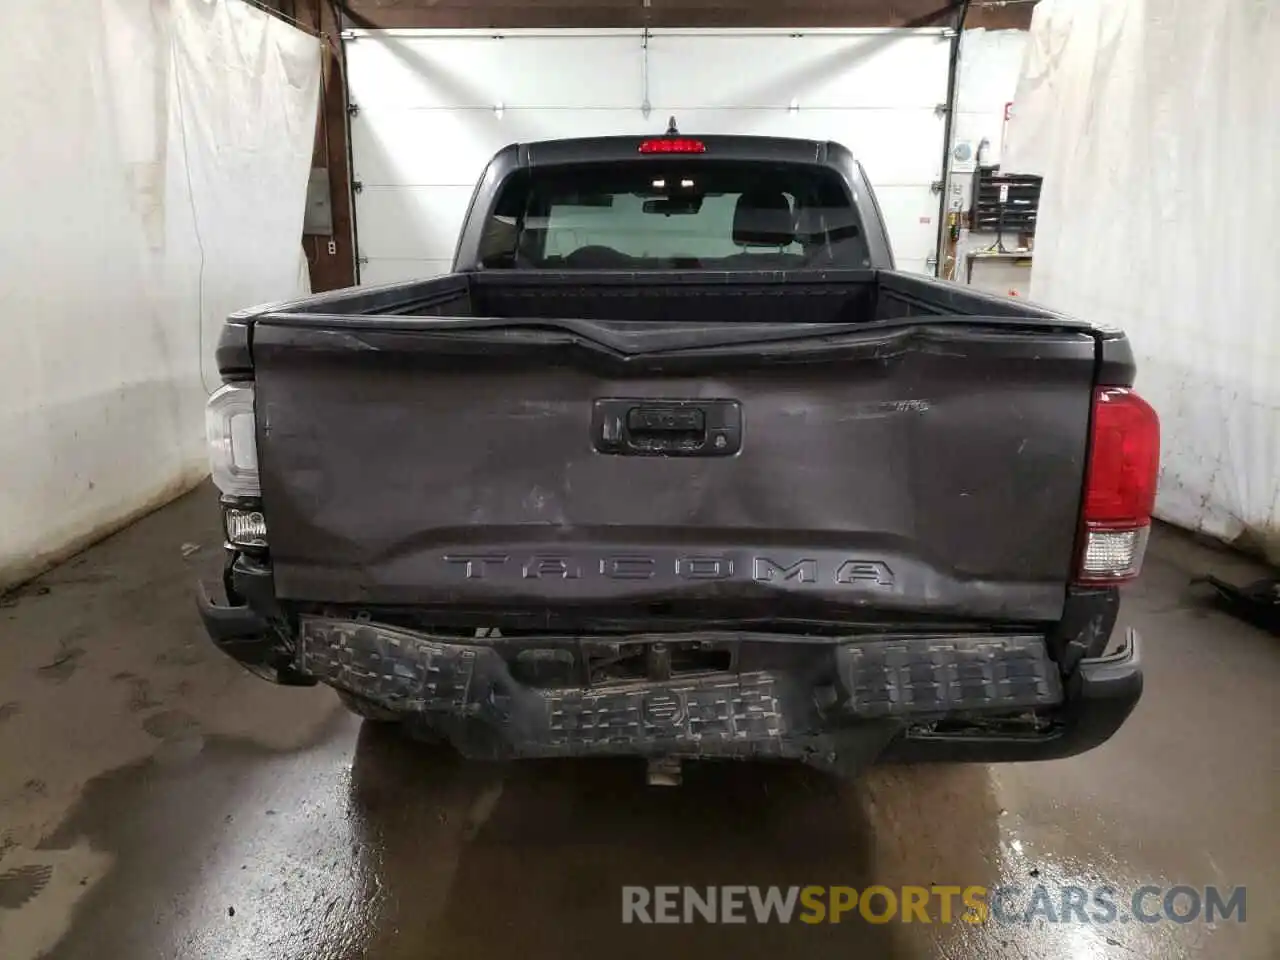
<point>836,296</point>
<point>538,449</point>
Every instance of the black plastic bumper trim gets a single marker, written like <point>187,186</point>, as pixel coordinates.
<point>443,682</point>
<point>238,631</point>
<point>1101,694</point>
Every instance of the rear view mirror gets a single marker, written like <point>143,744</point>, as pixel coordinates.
<point>667,206</point>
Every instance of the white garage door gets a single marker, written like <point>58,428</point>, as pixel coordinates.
<point>434,106</point>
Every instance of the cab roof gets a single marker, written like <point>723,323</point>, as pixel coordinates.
<point>714,147</point>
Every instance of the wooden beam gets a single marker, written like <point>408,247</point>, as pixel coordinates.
<point>513,14</point>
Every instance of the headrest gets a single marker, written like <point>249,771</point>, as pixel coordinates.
<point>763,218</point>
<point>808,224</point>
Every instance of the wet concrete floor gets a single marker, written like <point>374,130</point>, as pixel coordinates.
<point>157,801</point>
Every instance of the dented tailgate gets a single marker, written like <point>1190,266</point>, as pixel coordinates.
<point>927,469</point>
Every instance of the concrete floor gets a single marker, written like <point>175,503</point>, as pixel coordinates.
<point>157,801</point>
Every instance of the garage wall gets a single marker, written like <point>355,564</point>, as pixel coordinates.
<point>990,64</point>
<point>146,191</point>
<point>331,266</point>
<point>337,268</point>
<point>1156,125</point>
<point>434,106</point>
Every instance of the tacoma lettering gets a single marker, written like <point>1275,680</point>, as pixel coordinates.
<point>855,571</point>
<point>562,567</point>
<point>628,568</point>
<point>694,567</point>
<point>764,570</point>
<point>474,564</point>
<point>704,568</point>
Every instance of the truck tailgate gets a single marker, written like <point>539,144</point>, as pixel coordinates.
<point>919,470</point>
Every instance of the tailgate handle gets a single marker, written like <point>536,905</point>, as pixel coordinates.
<point>667,425</point>
<point>667,428</point>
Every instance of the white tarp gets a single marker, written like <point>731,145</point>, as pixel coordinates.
<point>1156,125</point>
<point>152,179</point>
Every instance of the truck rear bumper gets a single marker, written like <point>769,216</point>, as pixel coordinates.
<point>839,704</point>
<point>1099,696</point>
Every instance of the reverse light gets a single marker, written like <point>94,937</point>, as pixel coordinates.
<point>245,528</point>
<point>672,145</point>
<point>1113,555</point>
<point>1120,486</point>
<point>233,449</point>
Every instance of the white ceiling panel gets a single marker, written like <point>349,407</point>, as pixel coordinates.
<point>882,70</point>
<point>410,222</point>
<point>415,69</point>
<point>438,146</point>
<point>435,106</point>
<point>912,217</point>
<point>387,270</point>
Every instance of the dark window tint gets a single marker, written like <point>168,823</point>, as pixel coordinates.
<point>674,214</point>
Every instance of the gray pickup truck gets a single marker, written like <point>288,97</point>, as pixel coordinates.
<point>675,464</point>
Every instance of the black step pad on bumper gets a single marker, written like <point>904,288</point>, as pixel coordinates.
<point>887,678</point>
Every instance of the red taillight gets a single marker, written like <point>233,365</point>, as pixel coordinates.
<point>1120,486</point>
<point>672,145</point>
